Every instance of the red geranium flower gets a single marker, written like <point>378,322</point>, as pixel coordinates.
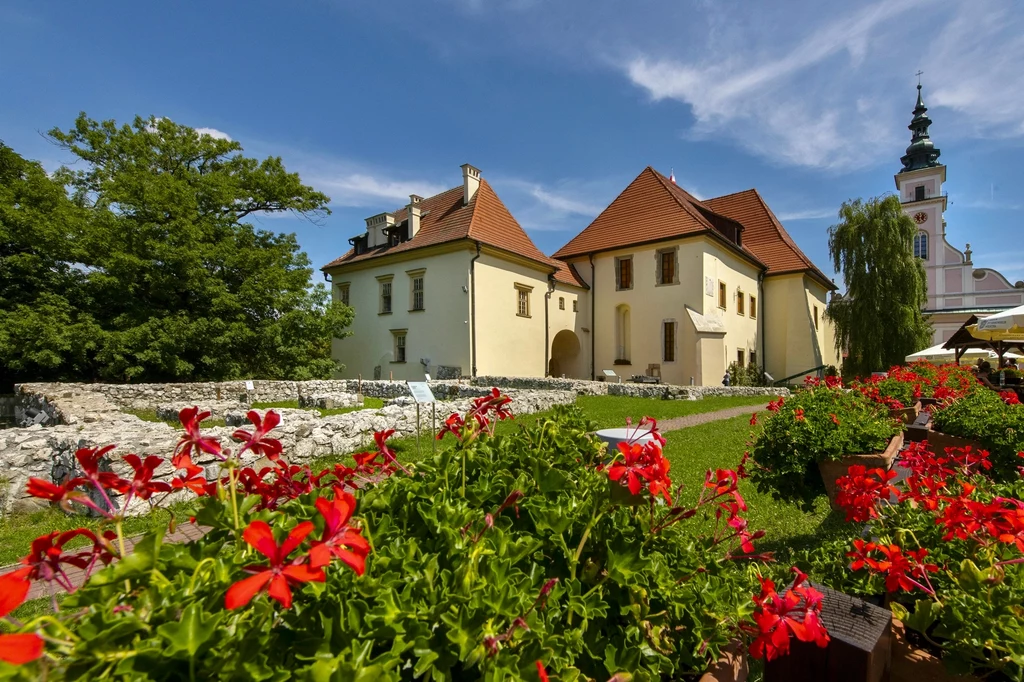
<point>541,673</point>
<point>776,617</point>
<point>453,425</point>
<point>257,441</point>
<point>190,418</point>
<point>277,577</point>
<point>193,479</point>
<point>143,485</point>
<point>17,649</point>
<point>859,492</point>
<point>798,413</point>
<point>338,539</point>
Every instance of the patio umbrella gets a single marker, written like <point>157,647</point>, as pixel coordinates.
<point>939,355</point>
<point>1007,325</point>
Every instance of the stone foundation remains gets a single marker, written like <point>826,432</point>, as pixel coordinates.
<point>86,415</point>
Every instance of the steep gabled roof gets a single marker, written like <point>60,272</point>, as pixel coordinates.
<point>484,219</point>
<point>765,235</point>
<point>652,208</point>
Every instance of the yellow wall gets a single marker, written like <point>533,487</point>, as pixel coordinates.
<point>440,332</point>
<point>507,344</point>
<point>793,344</point>
<point>571,350</point>
<point>700,356</point>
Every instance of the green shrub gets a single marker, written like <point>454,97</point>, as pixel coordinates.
<point>984,417</point>
<point>816,424</point>
<point>746,375</point>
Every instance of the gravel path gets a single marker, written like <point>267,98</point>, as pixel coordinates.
<point>677,423</point>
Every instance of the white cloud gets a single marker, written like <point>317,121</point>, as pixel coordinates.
<point>364,189</point>
<point>976,63</point>
<point>213,132</point>
<point>777,104</point>
<point>807,214</point>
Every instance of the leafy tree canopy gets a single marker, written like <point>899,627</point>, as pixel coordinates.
<point>879,320</point>
<point>135,264</point>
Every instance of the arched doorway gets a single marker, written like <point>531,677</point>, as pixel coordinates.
<point>565,356</point>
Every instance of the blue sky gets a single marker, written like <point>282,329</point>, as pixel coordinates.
<point>560,103</point>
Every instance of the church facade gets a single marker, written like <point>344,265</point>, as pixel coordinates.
<point>957,288</point>
<point>660,284</point>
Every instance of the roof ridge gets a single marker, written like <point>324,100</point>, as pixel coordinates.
<point>732,194</point>
<point>686,206</point>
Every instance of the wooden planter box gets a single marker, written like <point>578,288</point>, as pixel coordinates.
<point>938,442</point>
<point>833,469</point>
<point>907,415</point>
<point>910,664</point>
<point>731,667</point>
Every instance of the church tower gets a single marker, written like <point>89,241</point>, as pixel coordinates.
<point>956,289</point>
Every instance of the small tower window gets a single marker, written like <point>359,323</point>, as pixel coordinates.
<point>919,193</point>
<point>921,245</point>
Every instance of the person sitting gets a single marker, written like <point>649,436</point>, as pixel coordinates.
<point>984,374</point>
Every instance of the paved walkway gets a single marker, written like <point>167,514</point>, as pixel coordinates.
<point>677,423</point>
<point>188,532</point>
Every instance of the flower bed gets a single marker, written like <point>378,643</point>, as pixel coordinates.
<point>502,557</point>
<point>822,423</point>
<point>948,552</point>
<point>986,418</point>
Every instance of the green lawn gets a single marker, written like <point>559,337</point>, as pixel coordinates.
<point>720,445</point>
<point>368,404</point>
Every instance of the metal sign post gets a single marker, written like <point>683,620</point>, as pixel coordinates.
<point>421,394</point>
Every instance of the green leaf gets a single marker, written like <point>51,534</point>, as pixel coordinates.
<point>191,631</point>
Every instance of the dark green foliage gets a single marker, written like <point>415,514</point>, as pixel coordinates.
<point>816,424</point>
<point>982,416</point>
<point>879,318</point>
<point>746,375</point>
<point>148,272</point>
<point>439,581</point>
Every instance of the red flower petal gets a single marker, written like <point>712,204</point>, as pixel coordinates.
<point>261,538</point>
<point>18,649</point>
<point>242,592</point>
<point>280,591</point>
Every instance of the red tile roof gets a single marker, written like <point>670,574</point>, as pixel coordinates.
<point>653,208</point>
<point>764,234</point>
<point>650,209</point>
<point>484,219</point>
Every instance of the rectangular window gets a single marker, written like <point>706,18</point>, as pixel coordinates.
<point>740,359</point>
<point>523,300</point>
<point>574,307</point>
<point>753,358</point>
<point>667,267</point>
<point>815,318</point>
<point>343,293</point>
<point>740,303</point>
<point>385,297</point>
<point>919,193</point>
<point>417,293</point>
<point>723,295</point>
<point>399,346</point>
<point>668,353</point>
<point>623,273</point>
<point>561,303</point>
<point>753,307</point>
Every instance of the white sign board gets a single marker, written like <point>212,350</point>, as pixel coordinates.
<point>427,376</point>
<point>420,391</point>
<point>249,386</point>
<point>609,373</point>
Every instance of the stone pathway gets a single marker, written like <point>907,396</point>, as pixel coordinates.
<point>188,532</point>
<point>677,423</point>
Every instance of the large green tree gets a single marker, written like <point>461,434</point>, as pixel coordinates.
<point>878,320</point>
<point>141,266</point>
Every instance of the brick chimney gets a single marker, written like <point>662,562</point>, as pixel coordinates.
<point>415,213</point>
<point>470,182</point>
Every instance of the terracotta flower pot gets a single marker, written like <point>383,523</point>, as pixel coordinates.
<point>731,667</point>
<point>910,664</point>
<point>907,415</point>
<point>938,442</point>
<point>834,469</point>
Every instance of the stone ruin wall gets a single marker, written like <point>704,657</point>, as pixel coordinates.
<point>87,415</point>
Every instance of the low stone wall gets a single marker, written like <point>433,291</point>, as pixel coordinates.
<point>48,452</point>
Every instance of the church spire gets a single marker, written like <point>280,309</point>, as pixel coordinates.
<point>921,153</point>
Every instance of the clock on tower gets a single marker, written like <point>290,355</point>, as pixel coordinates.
<point>920,217</point>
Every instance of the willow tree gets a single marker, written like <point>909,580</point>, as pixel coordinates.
<point>878,321</point>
